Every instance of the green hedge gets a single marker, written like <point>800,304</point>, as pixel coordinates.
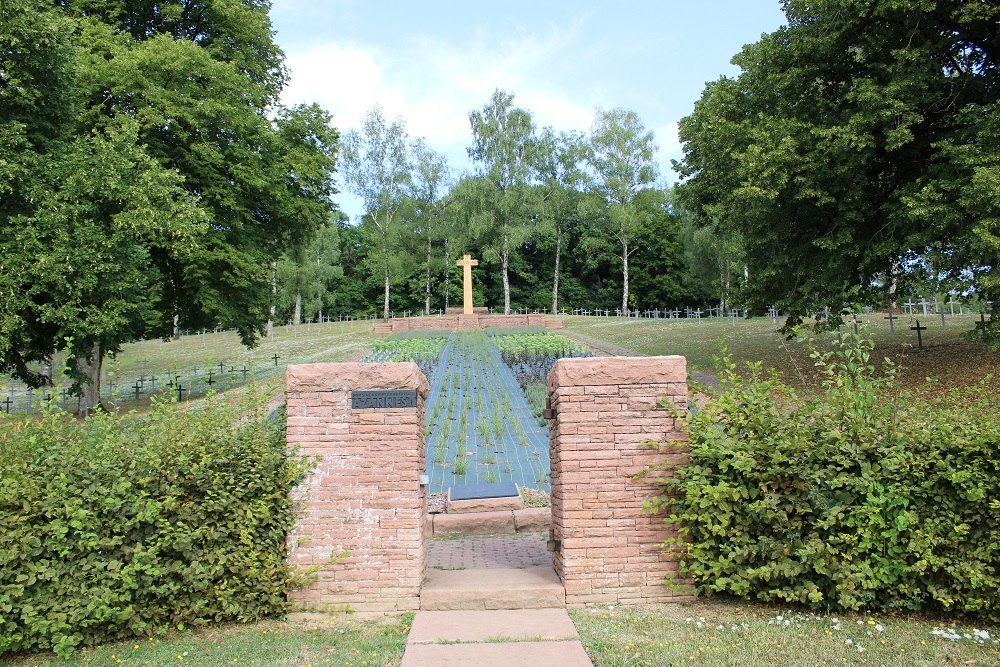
<point>119,526</point>
<point>863,497</point>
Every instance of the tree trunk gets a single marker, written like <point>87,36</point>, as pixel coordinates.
<point>47,371</point>
<point>504,257</point>
<point>893,284</point>
<point>447,273</point>
<point>298,307</point>
<point>385,304</point>
<point>90,390</point>
<point>624,276</point>
<point>176,333</point>
<point>555,275</point>
<point>427,287</point>
<point>274,297</point>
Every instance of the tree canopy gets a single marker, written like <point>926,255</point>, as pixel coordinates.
<point>856,151</point>
<point>156,175</point>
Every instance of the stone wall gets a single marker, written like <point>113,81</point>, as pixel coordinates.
<point>454,322</point>
<point>362,521</point>
<point>602,410</point>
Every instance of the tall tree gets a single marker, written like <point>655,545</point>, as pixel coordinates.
<point>429,187</point>
<point>858,141</point>
<point>169,155</point>
<point>502,148</point>
<point>561,180</point>
<point>376,167</point>
<point>622,155</point>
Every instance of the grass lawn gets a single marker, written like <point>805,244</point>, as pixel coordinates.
<point>945,356</point>
<point>721,633</point>
<point>339,642</point>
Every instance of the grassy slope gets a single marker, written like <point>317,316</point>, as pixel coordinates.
<point>954,361</point>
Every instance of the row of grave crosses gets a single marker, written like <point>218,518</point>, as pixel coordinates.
<point>144,384</point>
<point>689,313</point>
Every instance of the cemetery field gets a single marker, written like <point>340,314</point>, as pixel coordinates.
<point>723,633</point>
<point>339,641</point>
<point>208,360</point>
<point>946,355</point>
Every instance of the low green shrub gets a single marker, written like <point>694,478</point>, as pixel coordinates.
<point>119,526</point>
<point>863,497</point>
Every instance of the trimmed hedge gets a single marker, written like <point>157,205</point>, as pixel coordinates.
<point>119,526</point>
<point>864,497</point>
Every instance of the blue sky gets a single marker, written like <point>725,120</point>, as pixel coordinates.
<point>432,62</point>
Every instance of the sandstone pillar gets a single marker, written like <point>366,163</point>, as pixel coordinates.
<point>604,412</point>
<point>362,510</point>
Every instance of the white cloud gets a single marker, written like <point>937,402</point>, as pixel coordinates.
<point>434,85</point>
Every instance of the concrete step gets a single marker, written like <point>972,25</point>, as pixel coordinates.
<point>536,654</point>
<point>509,625</point>
<point>528,588</point>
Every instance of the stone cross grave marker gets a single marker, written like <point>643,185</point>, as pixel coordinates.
<point>467,263</point>
<point>892,318</point>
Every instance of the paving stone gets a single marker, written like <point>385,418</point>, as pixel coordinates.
<point>431,627</point>
<point>483,552</point>
<point>536,654</point>
<point>528,588</point>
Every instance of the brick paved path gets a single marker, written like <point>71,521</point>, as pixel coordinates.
<point>503,551</point>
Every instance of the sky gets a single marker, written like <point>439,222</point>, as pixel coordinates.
<point>430,63</point>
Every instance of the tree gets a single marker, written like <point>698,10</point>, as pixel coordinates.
<point>558,169</point>
<point>429,186</point>
<point>502,147</point>
<point>621,154</point>
<point>36,102</point>
<point>376,167</point>
<point>307,276</point>
<point>174,189</point>
<point>857,142</point>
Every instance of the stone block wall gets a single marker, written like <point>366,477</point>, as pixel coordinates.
<point>602,410</point>
<point>362,518</point>
<point>452,322</point>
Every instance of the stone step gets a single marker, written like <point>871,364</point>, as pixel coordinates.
<point>528,588</point>
<point>504,522</point>
<point>536,654</point>
<point>509,625</point>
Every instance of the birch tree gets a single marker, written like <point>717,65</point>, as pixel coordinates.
<point>560,176</point>
<point>376,167</point>
<point>622,155</point>
<point>502,149</point>
<point>430,183</point>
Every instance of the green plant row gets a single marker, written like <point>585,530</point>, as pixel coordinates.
<point>534,345</point>
<point>863,497</point>
<point>409,348</point>
<point>121,526</point>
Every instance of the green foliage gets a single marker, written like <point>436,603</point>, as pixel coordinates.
<point>856,152</point>
<point>863,497</point>
<point>155,176</point>
<point>118,526</point>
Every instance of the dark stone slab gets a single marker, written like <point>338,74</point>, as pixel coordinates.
<point>383,399</point>
<point>475,491</point>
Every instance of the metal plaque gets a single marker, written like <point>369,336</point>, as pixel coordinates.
<point>383,399</point>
